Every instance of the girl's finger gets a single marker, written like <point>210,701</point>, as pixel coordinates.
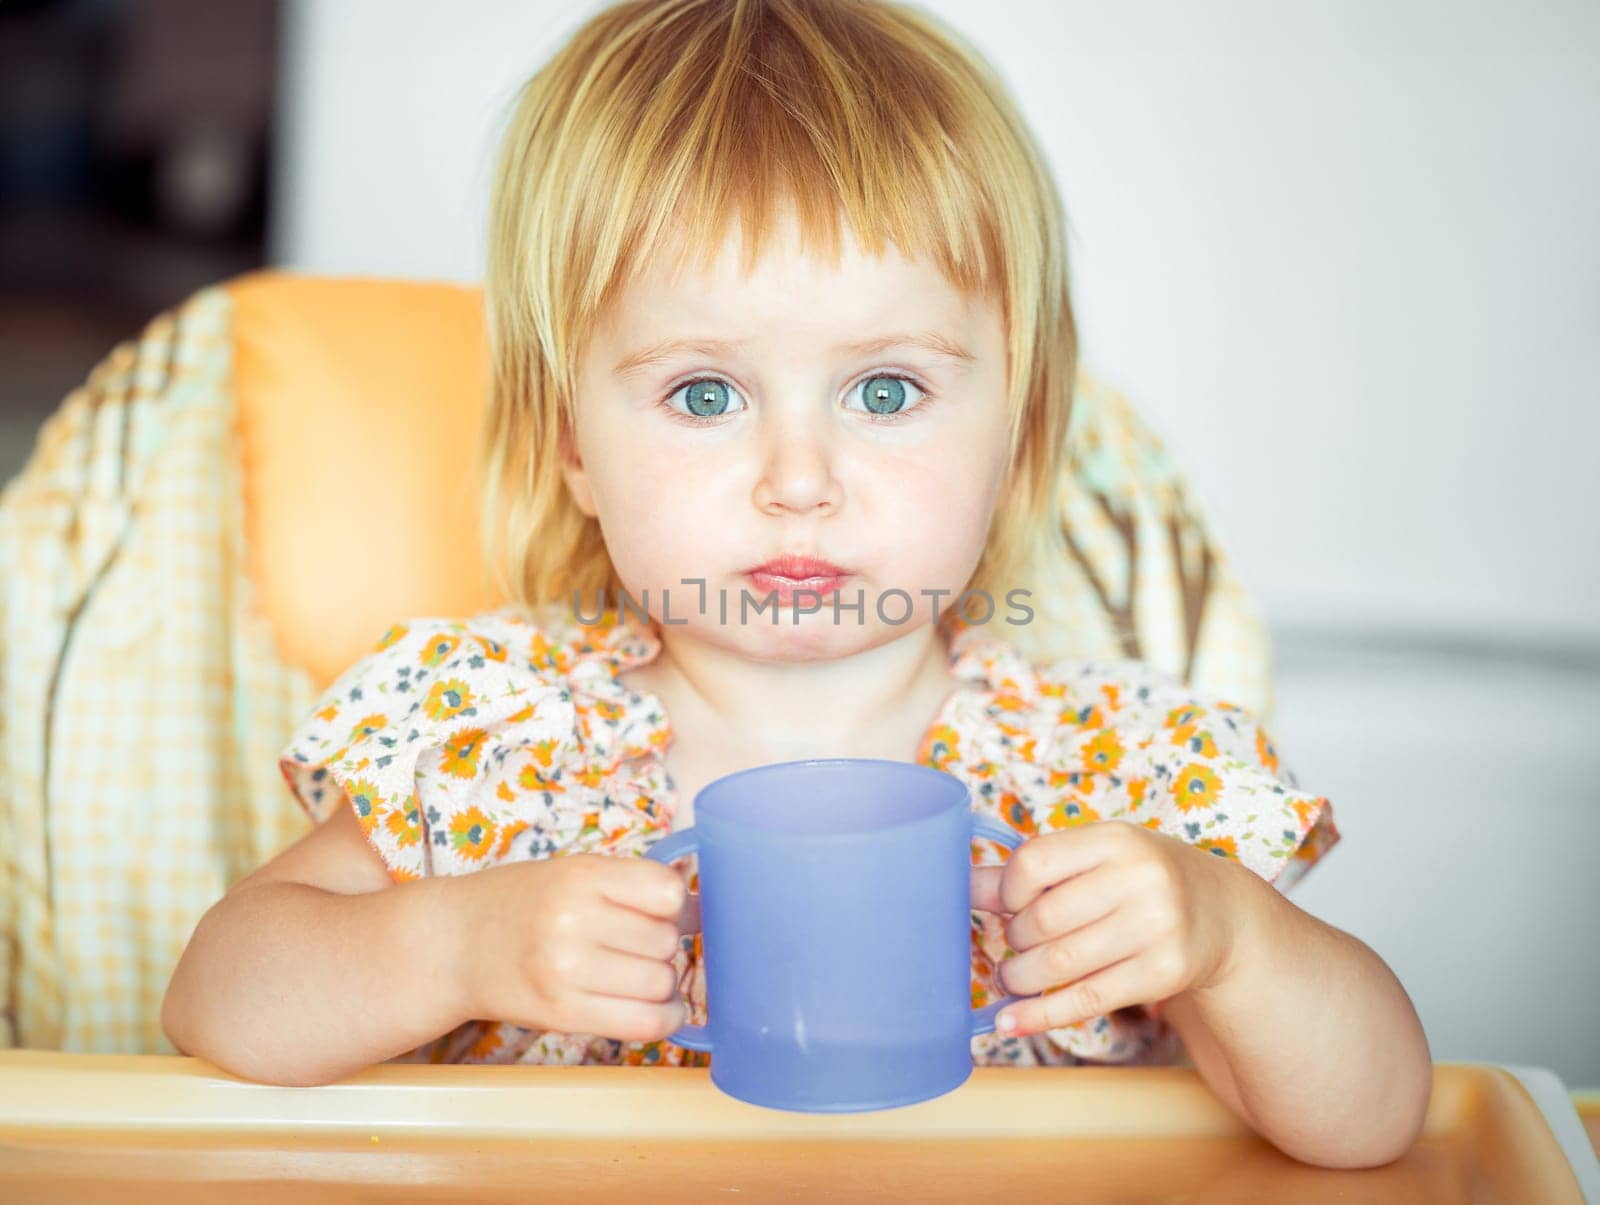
<point>986,888</point>
<point>1081,900</point>
<point>1067,959</point>
<point>629,932</point>
<point>649,886</point>
<point>609,973</point>
<point>1043,861</point>
<point>1110,988</point>
<point>625,1020</point>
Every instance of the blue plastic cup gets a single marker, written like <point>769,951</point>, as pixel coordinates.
<point>835,917</point>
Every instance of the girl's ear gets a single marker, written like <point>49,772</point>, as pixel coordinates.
<point>577,477</point>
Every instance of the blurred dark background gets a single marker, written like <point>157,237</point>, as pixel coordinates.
<point>135,154</point>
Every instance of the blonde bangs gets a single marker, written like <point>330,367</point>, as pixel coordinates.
<point>658,129</point>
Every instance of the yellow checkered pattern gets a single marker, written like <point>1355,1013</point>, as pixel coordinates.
<point>145,704</point>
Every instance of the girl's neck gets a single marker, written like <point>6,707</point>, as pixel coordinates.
<point>877,702</point>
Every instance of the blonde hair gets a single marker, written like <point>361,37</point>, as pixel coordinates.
<point>674,120</point>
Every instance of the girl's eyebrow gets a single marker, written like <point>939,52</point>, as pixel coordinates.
<point>930,341</point>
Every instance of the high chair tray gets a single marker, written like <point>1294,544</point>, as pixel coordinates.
<point>87,1127</point>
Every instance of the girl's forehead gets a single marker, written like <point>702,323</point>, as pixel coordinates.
<point>795,292</point>
<point>807,309</point>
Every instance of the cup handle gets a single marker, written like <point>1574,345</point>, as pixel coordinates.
<point>668,850</point>
<point>993,830</point>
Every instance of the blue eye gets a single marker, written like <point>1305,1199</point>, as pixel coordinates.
<point>706,398</point>
<point>885,394</point>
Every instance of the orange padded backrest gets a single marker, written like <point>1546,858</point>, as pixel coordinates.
<point>358,406</point>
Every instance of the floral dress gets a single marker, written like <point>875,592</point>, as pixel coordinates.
<point>465,743</point>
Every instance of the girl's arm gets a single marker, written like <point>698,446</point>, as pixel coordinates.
<point>1307,1034</point>
<point>318,965</point>
<point>1297,1026</point>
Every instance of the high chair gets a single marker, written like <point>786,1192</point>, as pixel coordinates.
<point>237,504</point>
<point>232,510</point>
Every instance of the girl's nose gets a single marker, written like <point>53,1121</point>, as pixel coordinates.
<point>796,472</point>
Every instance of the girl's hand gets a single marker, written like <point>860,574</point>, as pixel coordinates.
<point>1108,915</point>
<point>581,943</point>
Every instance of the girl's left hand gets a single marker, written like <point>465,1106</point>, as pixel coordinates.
<point>1107,915</point>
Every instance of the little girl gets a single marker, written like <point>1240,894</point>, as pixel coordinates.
<point>858,419</point>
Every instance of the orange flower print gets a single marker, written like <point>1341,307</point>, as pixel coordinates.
<point>486,1043</point>
<point>1223,847</point>
<point>1087,716</point>
<point>1153,823</point>
<point>532,778</point>
<point>493,650</point>
<point>1104,752</point>
<point>366,726</point>
<point>405,823</point>
<point>1265,751</point>
<point>1195,740</point>
<point>1136,789</point>
<point>1113,694</point>
<point>1023,741</point>
<point>543,752</point>
<point>1187,714</point>
<point>460,755</point>
<point>366,800</point>
<point>940,747</point>
<point>1196,787</point>
<point>471,834</point>
<point>539,649</point>
<point>1057,779</point>
<point>440,647</point>
<point>328,713</point>
<point>391,636</point>
<point>608,714</point>
<point>1008,699</point>
<point>1305,809</point>
<point>448,698</point>
<point>1070,812</point>
<point>1017,814</point>
<point>645,1055</point>
<point>508,833</point>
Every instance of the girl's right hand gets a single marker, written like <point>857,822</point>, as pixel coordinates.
<point>580,943</point>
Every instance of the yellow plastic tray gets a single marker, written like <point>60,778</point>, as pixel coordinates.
<point>1588,1106</point>
<point>84,1127</point>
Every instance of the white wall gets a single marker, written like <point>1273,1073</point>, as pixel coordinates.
<point>1345,257</point>
<point>1465,790</point>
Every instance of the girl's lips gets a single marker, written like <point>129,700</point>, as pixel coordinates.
<point>787,587</point>
<point>799,568</point>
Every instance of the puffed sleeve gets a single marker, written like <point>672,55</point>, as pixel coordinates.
<point>1129,742</point>
<point>1135,743</point>
<point>445,741</point>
